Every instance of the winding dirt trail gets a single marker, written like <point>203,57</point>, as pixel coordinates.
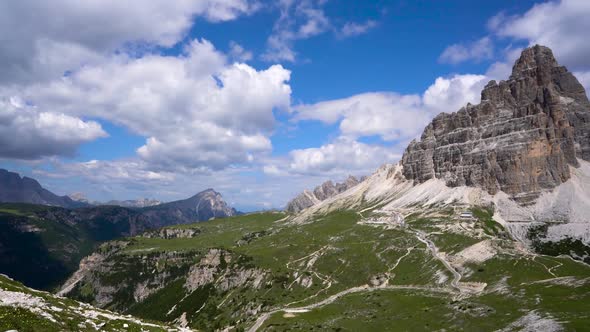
<point>364,288</point>
<point>434,250</point>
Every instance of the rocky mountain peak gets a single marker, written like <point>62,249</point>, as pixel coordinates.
<point>208,191</point>
<point>203,206</point>
<point>534,61</point>
<point>211,196</point>
<point>521,139</point>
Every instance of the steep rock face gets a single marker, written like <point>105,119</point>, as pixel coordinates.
<point>302,201</point>
<point>320,193</point>
<point>521,139</point>
<point>14,189</point>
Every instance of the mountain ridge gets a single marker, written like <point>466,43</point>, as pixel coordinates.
<point>17,189</point>
<point>202,206</point>
<point>135,203</point>
<point>320,193</point>
<point>129,203</point>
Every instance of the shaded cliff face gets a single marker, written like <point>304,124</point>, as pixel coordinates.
<point>521,139</point>
<point>42,245</point>
<point>320,193</point>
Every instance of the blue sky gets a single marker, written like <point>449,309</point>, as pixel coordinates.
<point>256,99</point>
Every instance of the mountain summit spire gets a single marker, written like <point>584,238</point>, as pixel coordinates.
<point>538,58</point>
<point>521,139</point>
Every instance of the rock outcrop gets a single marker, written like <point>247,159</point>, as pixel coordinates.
<point>320,193</point>
<point>172,233</point>
<point>521,139</point>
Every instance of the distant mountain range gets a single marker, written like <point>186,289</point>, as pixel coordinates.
<point>17,189</point>
<point>130,203</point>
<point>202,206</point>
<point>44,236</point>
<point>205,205</point>
<point>134,203</point>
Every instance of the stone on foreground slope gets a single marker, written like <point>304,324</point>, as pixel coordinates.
<point>521,139</point>
<point>25,309</point>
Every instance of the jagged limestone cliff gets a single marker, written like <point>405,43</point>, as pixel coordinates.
<point>521,139</point>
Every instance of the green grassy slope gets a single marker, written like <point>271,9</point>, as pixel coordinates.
<point>338,272</point>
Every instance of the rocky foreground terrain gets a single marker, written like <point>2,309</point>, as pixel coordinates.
<point>25,309</point>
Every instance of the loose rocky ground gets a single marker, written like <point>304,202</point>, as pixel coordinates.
<point>25,309</point>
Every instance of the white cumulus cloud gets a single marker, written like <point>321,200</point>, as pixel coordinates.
<point>394,116</point>
<point>238,53</point>
<point>298,20</point>
<point>196,110</point>
<point>40,40</point>
<point>339,158</point>
<point>481,49</point>
<point>560,25</point>
<point>29,133</point>
<point>304,19</point>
